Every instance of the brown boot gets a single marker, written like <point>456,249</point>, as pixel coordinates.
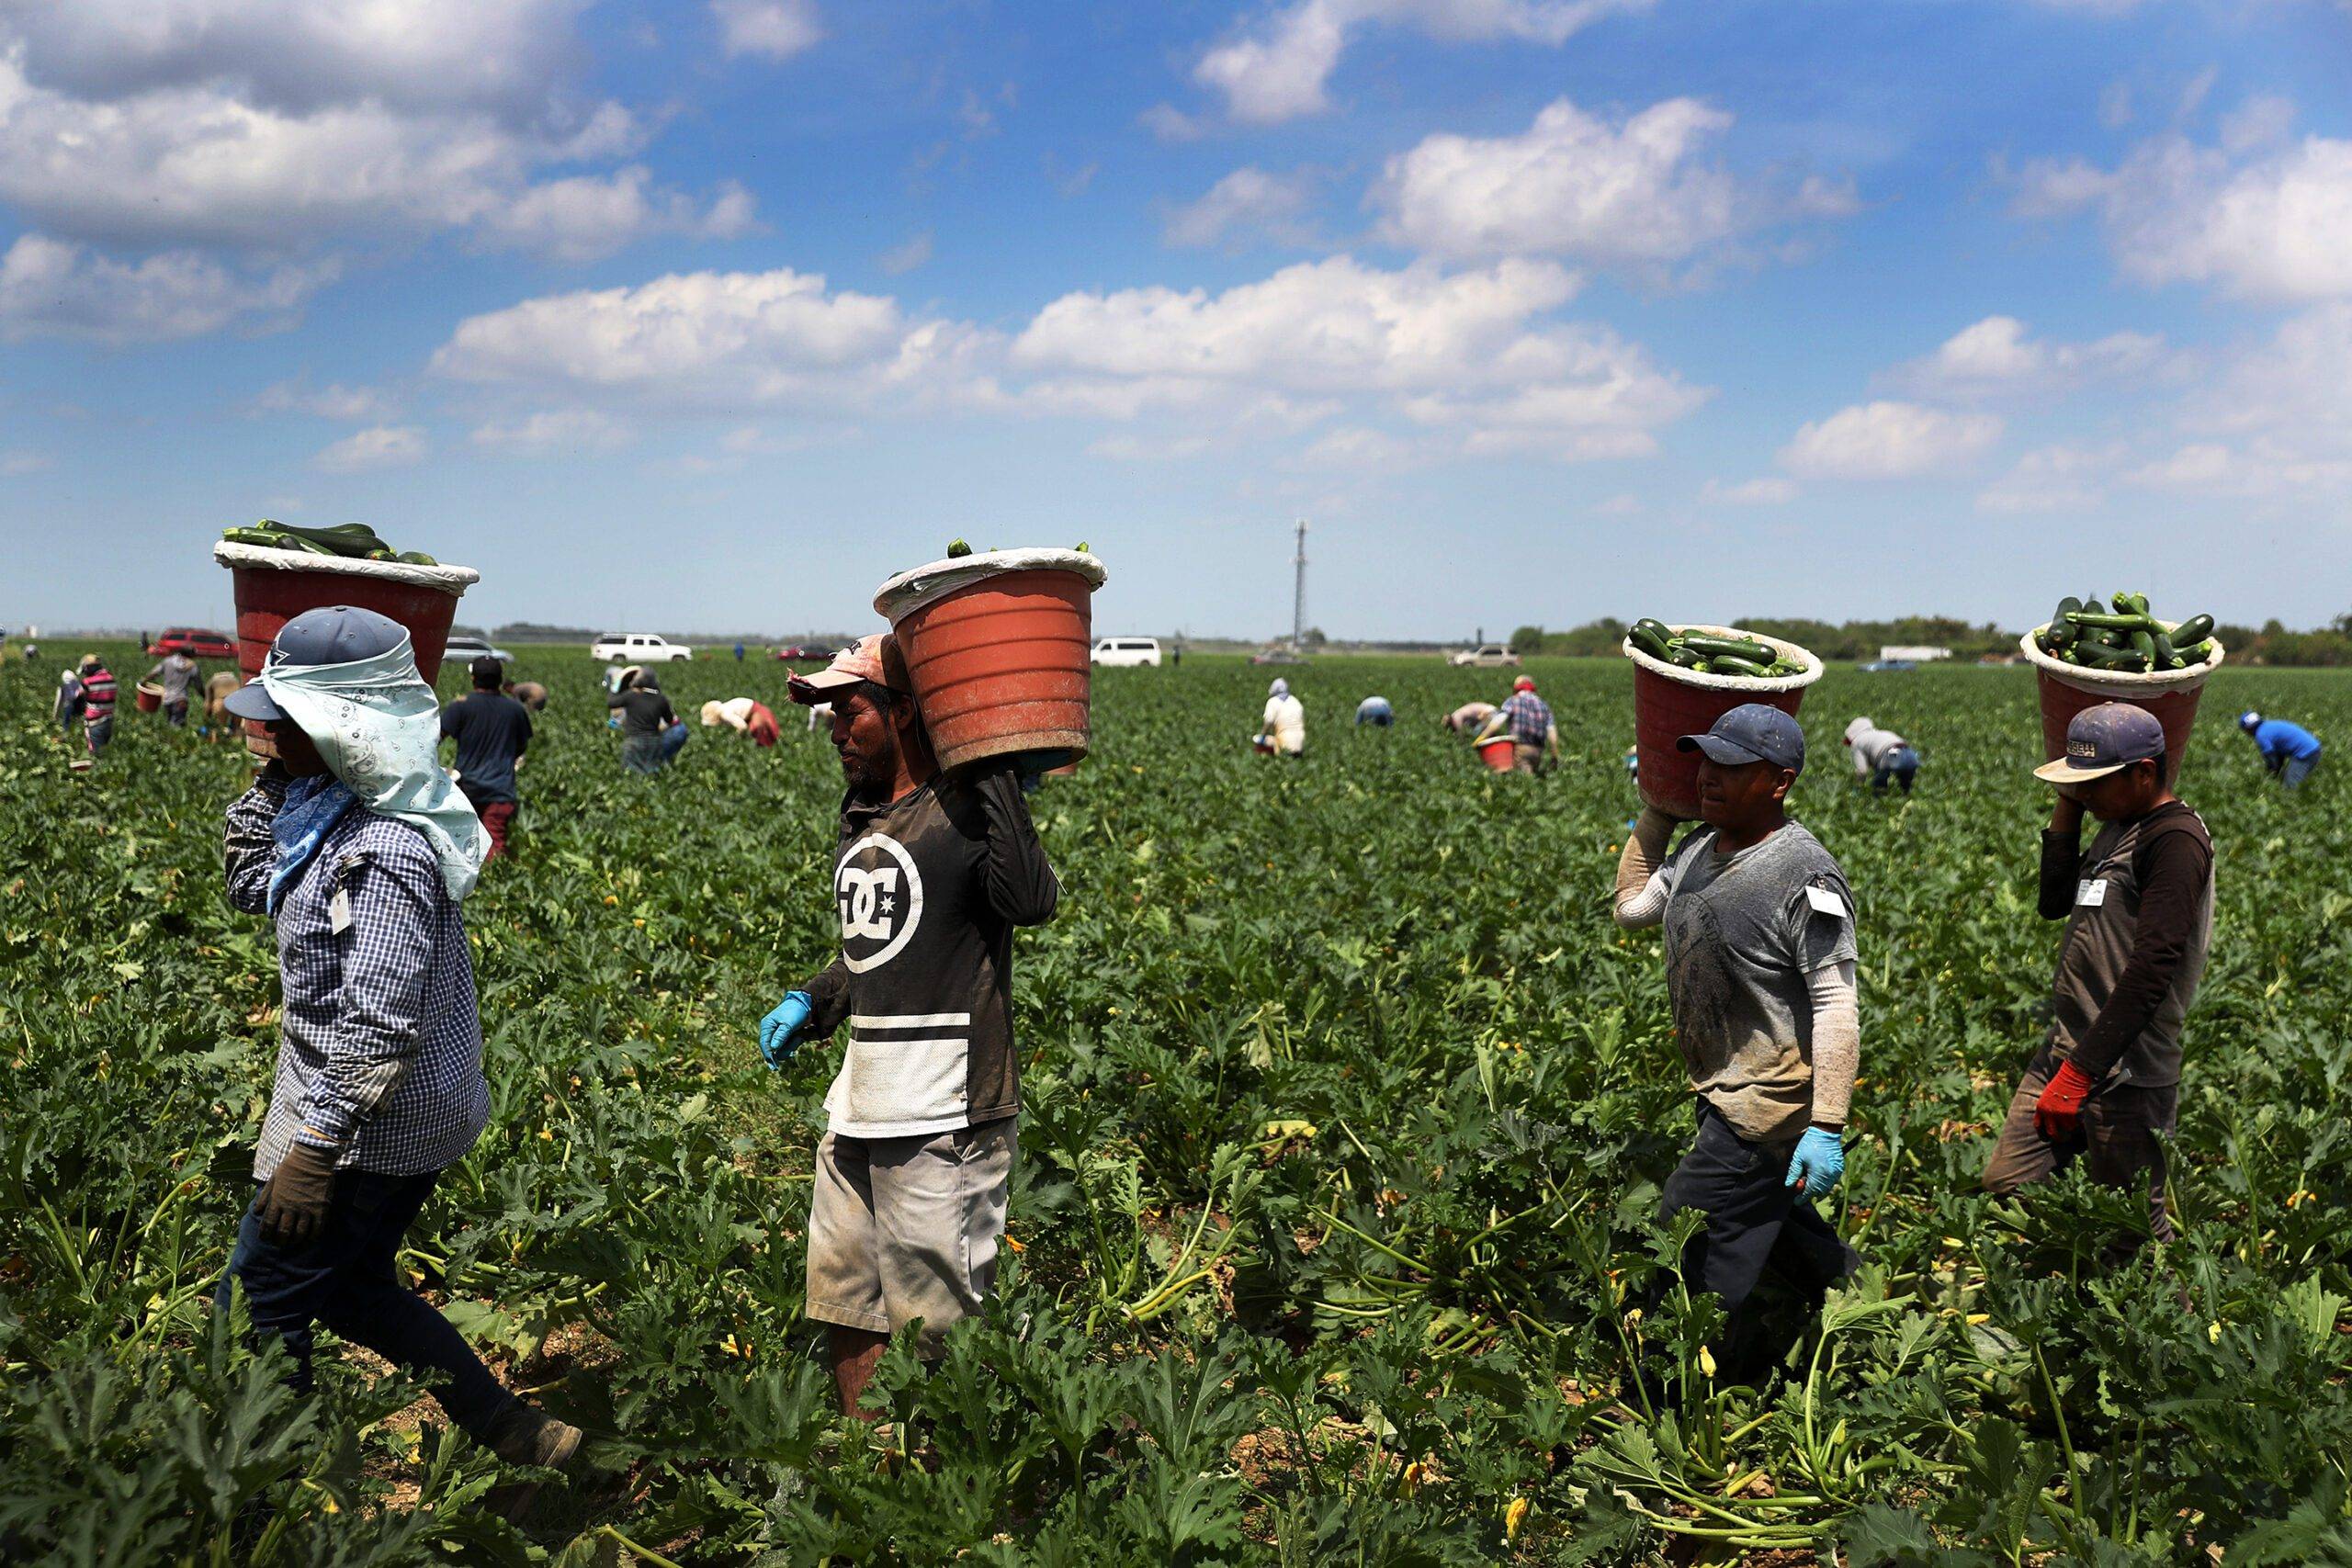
<point>534,1437</point>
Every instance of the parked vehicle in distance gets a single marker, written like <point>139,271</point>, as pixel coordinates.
<point>1485,656</point>
<point>802,652</point>
<point>1122,651</point>
<point>194,641</point>
<point>638,648</point>
<point>1278,655</point>
<point>466,649</point>
<point>1879,666</point>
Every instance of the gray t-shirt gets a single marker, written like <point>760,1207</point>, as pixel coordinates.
<point>1742,933</point>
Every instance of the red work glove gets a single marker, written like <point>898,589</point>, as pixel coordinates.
<point>2058,1114</point>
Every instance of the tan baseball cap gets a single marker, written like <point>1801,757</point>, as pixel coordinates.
<point>875,658</point>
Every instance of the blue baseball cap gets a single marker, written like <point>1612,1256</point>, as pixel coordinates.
<point>335,634</point>
<point>1752,732</point>
<point>2105,740</point>
<point>2249,720</point>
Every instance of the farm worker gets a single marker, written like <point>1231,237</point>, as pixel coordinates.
<point>530,694</point>
<point>95,703</point>
<point>67,705</point>
<point>644,712</point>
<point>1469,718</point>
<point>2139,911</point>
<point>820,716</point>
<point>359,848</point>
<point>1880,755</point>
<point>1759,972</point>
<point>1528,717</point>
<point>176,671</point>
<point>1283,724</point>
<point>935,871</point>
<point>216,699</point>
<point>748,715</point>
<point>1376,711</point>
<point>492,730</point>
<point>739,653</point>
<point>2289,751</point>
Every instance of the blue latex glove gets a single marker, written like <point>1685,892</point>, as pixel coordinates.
<point>1819,1161</point>
<point>780,1031</point>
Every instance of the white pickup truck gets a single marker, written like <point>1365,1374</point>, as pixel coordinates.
<point>638,648</point>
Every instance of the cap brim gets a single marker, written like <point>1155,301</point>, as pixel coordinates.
<point>253,701</point>
<point>811,690</point>
<point>1727,753</point>
<point>2063,771</point>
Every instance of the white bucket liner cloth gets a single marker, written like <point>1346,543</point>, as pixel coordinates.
<point>2122,684</point>
<point>1805,677</point>
<point>451,580</point>
<point>911,590</point>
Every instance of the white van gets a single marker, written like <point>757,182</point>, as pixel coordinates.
<point>638,648</point>
<point>1126,650</point>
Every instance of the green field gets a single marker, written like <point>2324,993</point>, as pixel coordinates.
<point>1346,1104</point>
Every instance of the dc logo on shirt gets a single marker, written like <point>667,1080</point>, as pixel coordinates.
<point>880,895</point>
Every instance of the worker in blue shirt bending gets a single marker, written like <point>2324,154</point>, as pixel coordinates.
<point>2288,749</point>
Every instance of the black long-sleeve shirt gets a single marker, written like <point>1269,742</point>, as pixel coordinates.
<point>929,888</point>
<point>2139,906</point>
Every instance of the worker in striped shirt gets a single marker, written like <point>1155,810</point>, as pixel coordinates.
<point>1535,739</point>
<point>95,702</point>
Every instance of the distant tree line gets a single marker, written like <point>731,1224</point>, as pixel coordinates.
<point>2272,644</point>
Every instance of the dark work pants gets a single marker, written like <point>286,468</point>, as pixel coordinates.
<point>347,1279</point>
<point>1755,1220</point>
<point>2118,1142</point>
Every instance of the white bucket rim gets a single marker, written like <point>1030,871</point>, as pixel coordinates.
<point>907,591</point>
<point>451,580</point>
<point>2120,683</point>
<point>1701,679</point>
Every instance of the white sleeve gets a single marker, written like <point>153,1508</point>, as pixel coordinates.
<point>1837,1040</point>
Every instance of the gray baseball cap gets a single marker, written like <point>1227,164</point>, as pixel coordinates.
<point>335,634</point>
<point>1752,732</point>
<point>2105,740</point>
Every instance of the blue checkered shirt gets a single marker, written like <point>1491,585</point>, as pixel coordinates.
<point>380,1046</point>
<point>1530,717</point>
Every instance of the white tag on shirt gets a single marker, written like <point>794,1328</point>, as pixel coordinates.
<point>339,911</point>
<point>1825,902</point>
<point>2089,894</point>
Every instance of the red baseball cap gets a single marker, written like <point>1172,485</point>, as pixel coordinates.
<point>873,658</point>
<point>1524,683</point>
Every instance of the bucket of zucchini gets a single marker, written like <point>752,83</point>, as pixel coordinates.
<point>2090,652</point>
<point>1687,677</point>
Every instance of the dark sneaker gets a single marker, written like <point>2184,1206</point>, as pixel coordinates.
<point>534,1437</point>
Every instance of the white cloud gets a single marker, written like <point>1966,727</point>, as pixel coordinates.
<point>1887,440</point>
<point>1997,357</point>
<point>1125,448</point>
<point>777,29</point>
<point>51,289</point>
<point>1767,491</point>
<point>277,127</point>
<point>2278,415</point>
<point>554,430</point>
<point>378,447</point>
<point>1573,183</point>
<point>1246,203</point>
<point>334,401</point>
<point>1170,123</point>
<point>905,258</point>
<point>2062,476</point>
<point>16,464</point>
<point>2261,217</point>
<point>1280,67</point>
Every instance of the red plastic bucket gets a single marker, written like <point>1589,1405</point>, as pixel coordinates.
<point>272,587</point>
<point>996,647</point>
<point>1500,753</point>
<point>147,696</point>
<point>1670,702</point>
<point>2171,695</point>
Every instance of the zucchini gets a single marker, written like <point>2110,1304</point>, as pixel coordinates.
<point>1733,665</point>
<point>1650,642</point>
<point>2133,622</point>
<point>2144,645</point>
<point>2197,629</point>
<point>1755,653</point>
<point>2098,656</point>
<point>2197,654</point>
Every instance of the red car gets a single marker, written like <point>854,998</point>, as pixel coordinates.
<point>793,652</point>
<point>194,641</point>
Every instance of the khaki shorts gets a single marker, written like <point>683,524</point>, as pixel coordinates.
<point>907,1228</point>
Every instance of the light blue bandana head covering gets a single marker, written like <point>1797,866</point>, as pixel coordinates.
<point>1280,688</point>
<point>378,726</point>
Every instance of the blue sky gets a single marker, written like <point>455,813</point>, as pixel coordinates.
<point>712,315</point>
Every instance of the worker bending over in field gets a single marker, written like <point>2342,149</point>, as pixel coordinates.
<point>176,671</point>
<point>645,717</point>
<point>1281,729</point>
<point>1534,738</point>
<point>354,842</point>
<point>1375,712</point>
<point>492,730</point>
<point>745,715</point>
<point>217,692</point>
<point>530,694</point>
<point>1880,755</point>
<point>2289,751</point>
<point>1759,971</point>
<point>2139,911</point>
<point>1469,718</point>
<point>915,1168</point>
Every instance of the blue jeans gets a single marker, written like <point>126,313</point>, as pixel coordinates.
<point>643,754</point>
<point>1901,764</point>
<point>347,1279</point>
<point>2295,770</point>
